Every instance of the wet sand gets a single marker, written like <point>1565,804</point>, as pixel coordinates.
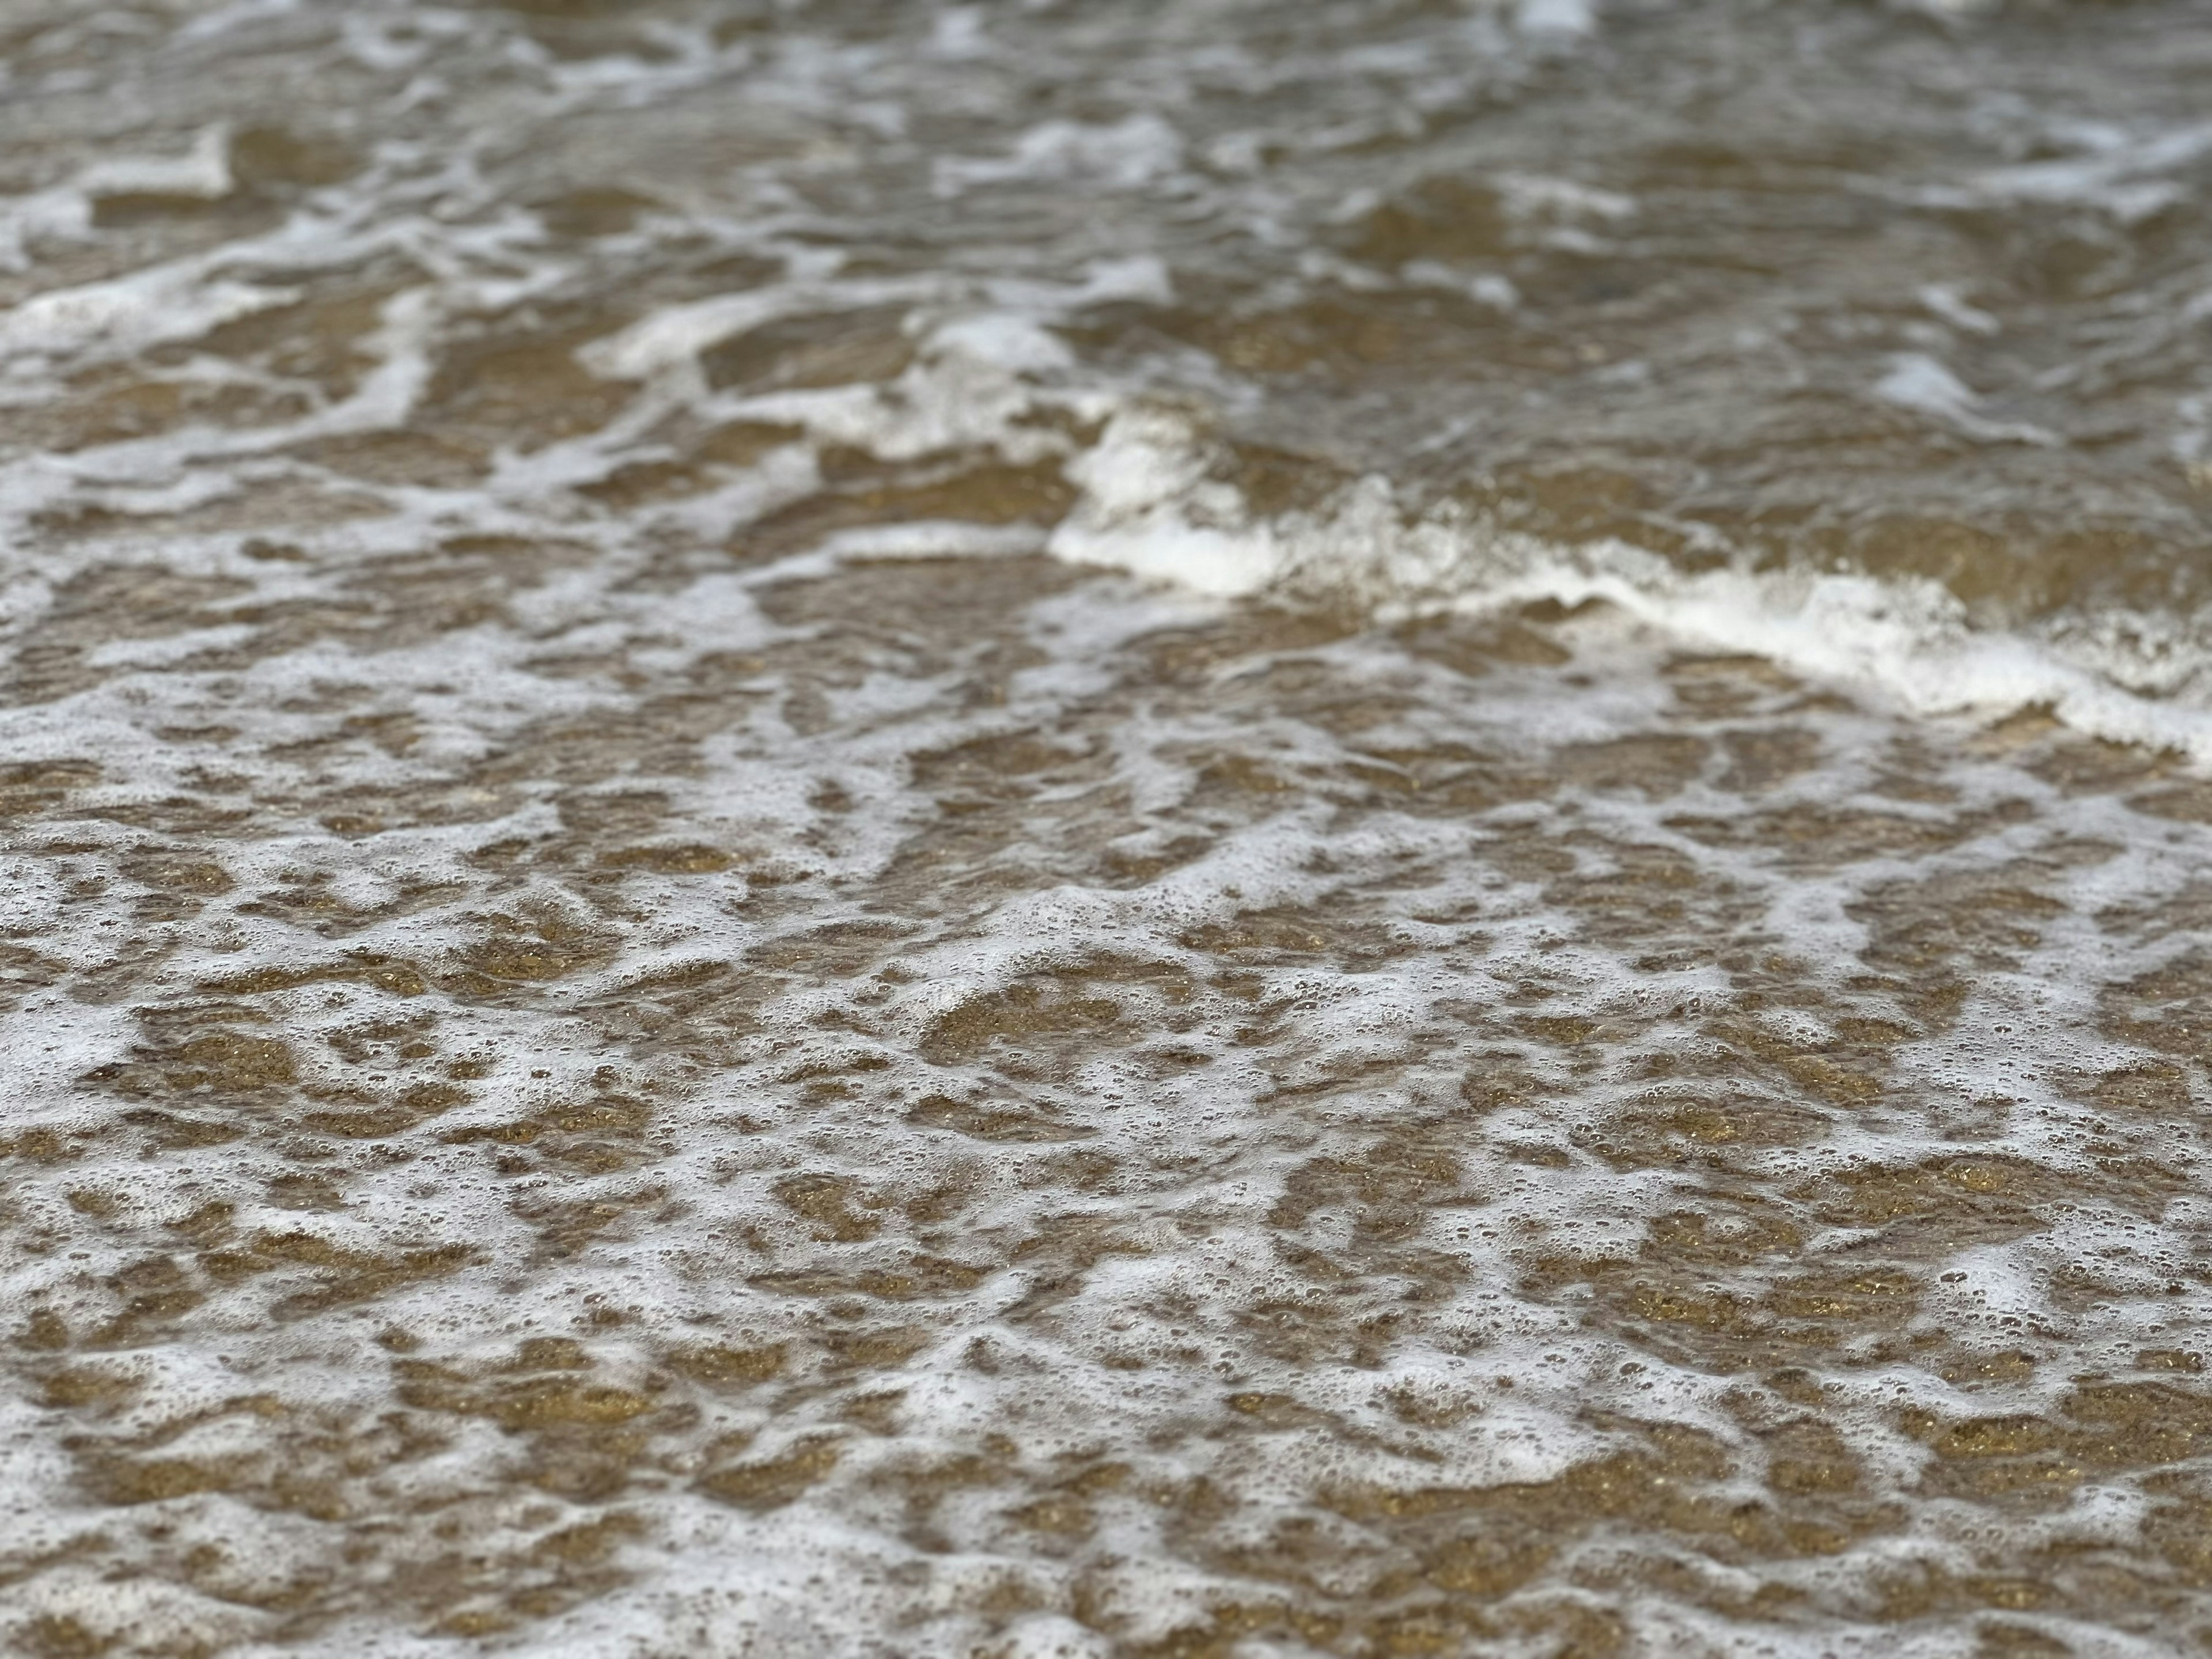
<point>823,837</point>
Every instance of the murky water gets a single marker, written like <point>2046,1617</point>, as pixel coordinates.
<point>1177,829</point>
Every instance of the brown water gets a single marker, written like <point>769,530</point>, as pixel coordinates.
<point>1187,829</point>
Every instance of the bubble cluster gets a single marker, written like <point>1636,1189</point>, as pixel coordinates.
<point>1008,831</point>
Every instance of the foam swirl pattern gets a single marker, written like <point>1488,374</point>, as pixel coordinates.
<point>1033,832</point>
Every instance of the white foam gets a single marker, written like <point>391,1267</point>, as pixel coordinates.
<point>1117,155</point>
<point>1150,507</point>
<point>1289,1065</point>
<point>1569,18</point>
<point>2110,176</point>
<point>1945,299</point>
<point>128,314</point>
<point>203,171</point>
<point>1917,381</point>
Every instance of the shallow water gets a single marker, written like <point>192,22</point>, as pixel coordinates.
<point>1194,829</point>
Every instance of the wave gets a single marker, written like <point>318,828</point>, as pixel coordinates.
<point>1152,504</point>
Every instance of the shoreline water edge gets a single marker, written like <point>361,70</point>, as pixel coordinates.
<point>1034,832</point>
